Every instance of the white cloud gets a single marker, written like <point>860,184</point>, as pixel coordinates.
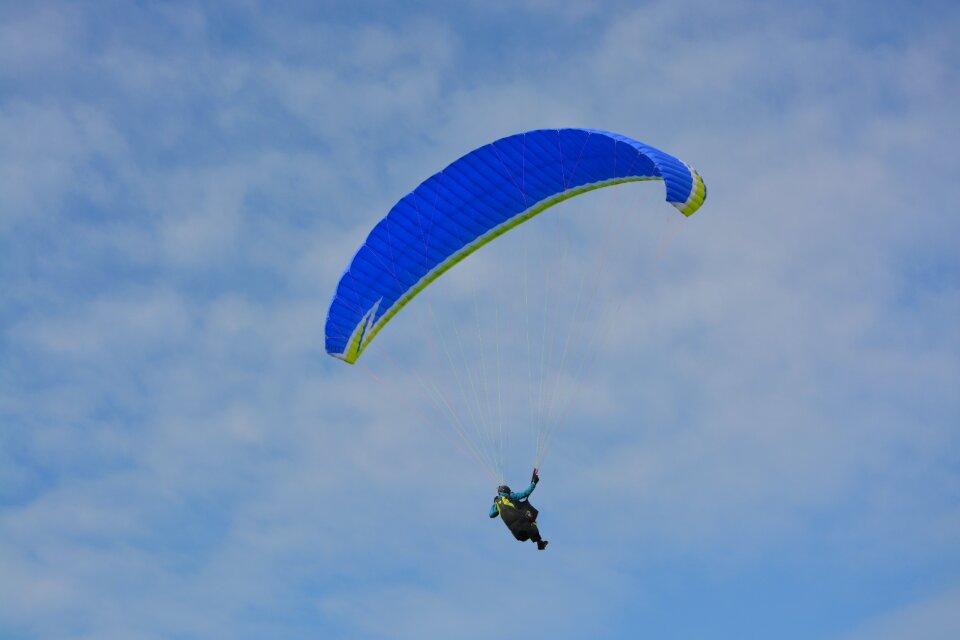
<point>184,458</point>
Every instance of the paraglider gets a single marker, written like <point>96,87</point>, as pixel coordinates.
<point>449,216</point>
<point>518,514</point>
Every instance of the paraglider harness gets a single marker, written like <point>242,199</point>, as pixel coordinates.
<point>520,516</point>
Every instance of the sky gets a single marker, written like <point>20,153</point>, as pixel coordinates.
<point>765,444</point>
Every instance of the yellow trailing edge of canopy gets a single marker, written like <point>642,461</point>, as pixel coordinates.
<point>698,193</point>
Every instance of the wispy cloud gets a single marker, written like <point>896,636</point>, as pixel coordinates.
<point>764,437</point>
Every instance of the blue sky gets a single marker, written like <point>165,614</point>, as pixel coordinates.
<point>765,447</point>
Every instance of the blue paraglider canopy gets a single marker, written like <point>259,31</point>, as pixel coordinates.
<point>474,200</point>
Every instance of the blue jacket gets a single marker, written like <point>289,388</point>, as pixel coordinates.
<point>516,495</point>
